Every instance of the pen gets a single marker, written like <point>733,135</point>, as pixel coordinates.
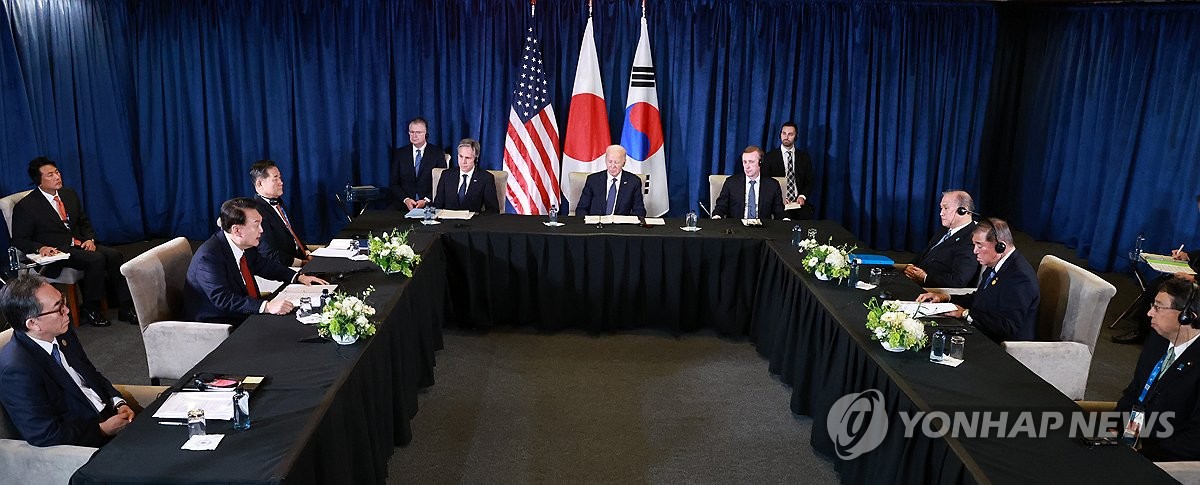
<point>1181,248</point>
<point>172,423</point>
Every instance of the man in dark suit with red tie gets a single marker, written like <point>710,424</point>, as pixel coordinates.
<point>411,177</point>
<point>50,220</point>
<point>280,239</point>
<point>1004,306</point>
<point>220,286</point>
<point>51,391</point>
<point>749,195</point>
<point>613,191</point>
<point>949,260</point>
<point>467,187</point>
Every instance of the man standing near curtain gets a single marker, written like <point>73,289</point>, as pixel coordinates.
<point>748,195</point>
<point>280,239</point>
<point>794,165</point>
<point>411,180</point>
<point>613,191</point>
<point>948,261</point>
<point>1138,311</point>
<point>467,188</point>
<point>51,220</point>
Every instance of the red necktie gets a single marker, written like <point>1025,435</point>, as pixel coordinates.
<point>62,215</point>
<point>248,278</point>
<point>299,244</point>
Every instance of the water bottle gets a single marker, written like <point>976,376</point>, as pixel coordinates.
<point>553,215</point>
<point>241,409</point>
<point>14,259</point>
<point>428,216</point>
<point>852,280</point>
<point>690,220</point>
<point>937,347</point>
<point>797,235</point>
<point>349,193</point>
<point>324,297</point>
<point>1137,246</point>
<point>197,426</point>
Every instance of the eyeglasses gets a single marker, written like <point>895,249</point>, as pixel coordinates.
<point>59,307</point>
<point>1159,308</point>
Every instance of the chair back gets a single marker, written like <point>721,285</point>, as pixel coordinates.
<point>7,204</point>
<point>437,175</point>
<point>782,185</point>
<point>575,189</point>
<point>501,178</point>
<point>7,430</point>
<point>715,182</point>
<point>156,279</point>
<point>1073,302</point>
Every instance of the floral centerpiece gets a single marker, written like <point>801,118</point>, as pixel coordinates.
<point>826,261</point>
<point>894,329</point>
<point>392,253</point>
<point>347,317</point>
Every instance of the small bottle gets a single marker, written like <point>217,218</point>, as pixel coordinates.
<point>14,259</point>
<point>196,424</point>
<point>349,193</point>
<point>428,215</point>
<point>852,279</point>
<point>797,235</point>
<point>324,297</point>
<point>241,409</point>
<point>812,234</point>
<point>1137,246</point>
<point>937,347</point>
<point>306,307</point>
<point>553,215</point>
<point>690,221</point>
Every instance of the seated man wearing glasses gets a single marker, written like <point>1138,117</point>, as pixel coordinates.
<point>51,391</point>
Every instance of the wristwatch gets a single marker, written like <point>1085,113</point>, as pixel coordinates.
<point>967,315</point>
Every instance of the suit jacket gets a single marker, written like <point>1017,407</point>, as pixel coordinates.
<point>43,402</point>
<point>951,264</point>
<point>1006,308</point>
<point>408,182</point>
<point>36,222</point>
<point>773,166</point>
<point>732,200</point>
<point>594,198</point>
<point>1177,389</point>
<point>214,291</point>
<point>481,193</point>
<point>277,243</point>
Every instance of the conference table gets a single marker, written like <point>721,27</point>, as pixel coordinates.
<point>334,413</point>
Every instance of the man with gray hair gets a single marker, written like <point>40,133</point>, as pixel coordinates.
<point>948,261</point>
<point>465,187</point>
<point>612,191</point>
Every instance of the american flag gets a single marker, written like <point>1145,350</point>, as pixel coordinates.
<point>531,142</point>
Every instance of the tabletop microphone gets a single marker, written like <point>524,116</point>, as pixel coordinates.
<point>705,209</point>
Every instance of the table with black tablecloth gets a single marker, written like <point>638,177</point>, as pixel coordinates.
<point>513,270</point>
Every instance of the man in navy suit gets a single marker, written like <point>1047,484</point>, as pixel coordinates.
<point>466,188</point>
<point>280,238</point>
<point>949,260</point>
<point>411,180</point>
<point>765,200</point>
<point>51,391</point>
<point>220,286</point>
<point>50,220</point>
<point>1175,387</point>
<point>613,191</point>
<point>1004,307</point>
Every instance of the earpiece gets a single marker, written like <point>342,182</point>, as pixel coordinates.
<point>1000,246</point>
<point>1188,315</point>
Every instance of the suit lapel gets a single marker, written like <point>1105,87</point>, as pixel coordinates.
<point>227,253</point>
<point>56,372</point>
<point>1182,364</point>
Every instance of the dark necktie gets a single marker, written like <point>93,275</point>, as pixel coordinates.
<point>791,177</point>
<point>984,282</point>
<point>301,249</point>
<point>752,202</point>
<point>462,191</point>
<point>943,239</point>
<point>58,357</point>
<point>417,162</point>
<point>611,206</point>
<point>248,278</point>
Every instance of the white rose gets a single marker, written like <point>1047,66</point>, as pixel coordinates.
<point>835,259</point>
<point>914,327</point>
<point>361,320</point>
<point>880,333</point>
<point>406,251</point>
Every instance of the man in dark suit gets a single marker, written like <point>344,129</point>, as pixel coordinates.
<point>50,220</point>
<point>949,260</point>
<point>280,239</point>
<point>613,191</point>
<point>411,180</point>
<point>220,286</point>
<point>1175,387</point>
<point>1004,307</point>
<point>1137,312</point>
<point>765,201</point>
<point>794,164</point>
<point>51,391</point>
<point>466,188</point>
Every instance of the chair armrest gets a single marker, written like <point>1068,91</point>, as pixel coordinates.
<point>1097,406</point>
<point>139,397</point>
<point>174,347</point>
<point>1064,365</point>
<point>1187,472</point>
<point>21,462</point>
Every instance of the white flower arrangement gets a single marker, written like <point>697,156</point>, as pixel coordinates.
<point>347,316</point>
<point>392,253</point>
<point>895,328</point>
<point>824,259</point>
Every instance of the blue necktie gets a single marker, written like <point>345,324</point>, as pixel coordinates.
<point>56,354</point>
<point>462,191</point>
<point>611,206</point>
<point>987,278</point>
<point>417,162</point>
<point>943,239</point>
<point>752,202</point>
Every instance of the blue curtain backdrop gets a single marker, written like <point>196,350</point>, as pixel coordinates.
<point>1078,123</point>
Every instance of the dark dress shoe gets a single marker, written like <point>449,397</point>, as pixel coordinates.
<point>94,318</point>
<point>128,315</point>
<point>1131,338</point>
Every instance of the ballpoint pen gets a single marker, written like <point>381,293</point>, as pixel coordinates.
<point>172,423</point>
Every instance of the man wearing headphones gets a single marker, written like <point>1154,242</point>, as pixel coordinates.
<point>949,260</point>
<point>1165,379</point>
<point>1004,307</point>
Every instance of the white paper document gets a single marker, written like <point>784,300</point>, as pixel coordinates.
<point>216,405</point>
<point>752,222</point>
<point>611,220</point>
<point>295,291</point>
<point>339,244</point>
<point>927,309</point>
<point>42,260</point>
<point>1166,264</point>
<point>449,215</point>
<point>792,206</point>
<point>328,252</point>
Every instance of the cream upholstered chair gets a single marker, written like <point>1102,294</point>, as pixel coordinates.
<point>1071,311</point>
<point>500,176</point>
<point>156,278</point>
<point>715,182</point>
<point>576,189</point>
<point>69,277</point>
<point>21,462</point>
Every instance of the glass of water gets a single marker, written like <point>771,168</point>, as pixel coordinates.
<point>812,234</point>
<point>553,215</point>
<point>876,273</point>
<point>691,220</point>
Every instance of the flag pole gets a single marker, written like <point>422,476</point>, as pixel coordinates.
<point>589,9</point>
<point>643,8</point>
<point>532,8</point>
